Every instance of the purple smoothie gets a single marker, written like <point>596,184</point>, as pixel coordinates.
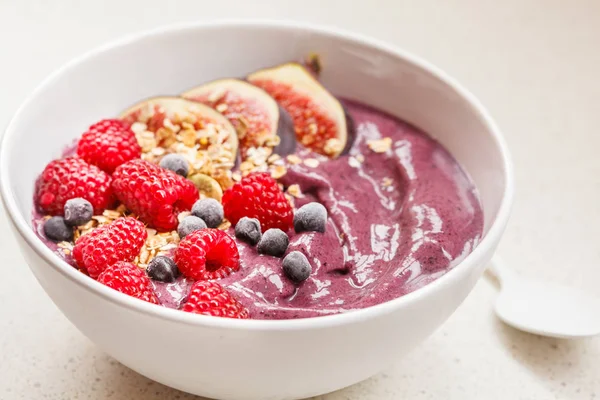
<point>397,221</point>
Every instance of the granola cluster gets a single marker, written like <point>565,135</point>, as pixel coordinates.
<point>207,146</point>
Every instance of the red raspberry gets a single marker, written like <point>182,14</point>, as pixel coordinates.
<point>129,279</point>
<point>72,177</point>
<point>108,144</point>
<point>207,254</point>
<point>155,194</point>
<point>210,298</point>
<point>120,240</point>
<point>258,196</point>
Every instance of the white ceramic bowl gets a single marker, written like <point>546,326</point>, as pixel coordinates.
<point>234,359</point>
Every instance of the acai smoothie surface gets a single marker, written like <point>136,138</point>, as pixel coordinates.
<point>263,198</point>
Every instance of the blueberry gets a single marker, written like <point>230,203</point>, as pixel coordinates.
<point>162,269</point>
<point>274,242</point>
<point>190,224</point>
<point>78,211</point>
<point>296,267</point>
<point>248,230</point>
<point>310,217</point>
<point>57,230</point>
<point>210,210</point>
<point>176,163</point>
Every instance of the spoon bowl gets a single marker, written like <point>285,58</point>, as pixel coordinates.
<point>544,308</point>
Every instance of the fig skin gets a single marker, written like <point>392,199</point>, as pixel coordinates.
<point>286,133</point>
<point>351,131</point>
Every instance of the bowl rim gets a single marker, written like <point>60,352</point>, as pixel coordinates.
<point>23,226</point>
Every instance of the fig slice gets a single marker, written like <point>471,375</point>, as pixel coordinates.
<point>319,118</point>
<point>255,115</point>
<point>175,120</point>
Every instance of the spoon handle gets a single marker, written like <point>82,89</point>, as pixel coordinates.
<point>500,271</point>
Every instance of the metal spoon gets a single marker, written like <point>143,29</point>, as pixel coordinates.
<point>544,308</point>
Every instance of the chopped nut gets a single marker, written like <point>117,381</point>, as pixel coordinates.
<point>165,136</point>
<point>189,117</point>
<point>381,145</point>
<point>88,225</point>
<point>168,246</point>
<point>386,182</point>
<point>295,191</point>
<point>188,137</point>
<point>223,178</point>
<point>157,241</point>
<point>278,171</point>
<point>111,214</point>
<point>138,127</point>
<point>66,246</point>
<point>169,125</point>
<point>236,176</point>
<point>273,141</point>
<point>146,140</point>
<point>144,255</point>
<point>246,166</point>
<point>225,225</point>
<point>333,146</point>
<point>158,151</point>
<point>353,162</point>
<point>273,157</point>
<point>188,126</point>
<point>311,162</point>
<point>258,155</point>
<point>294,159</point>
<point>221,107</point>
<point>101,219</point>
<point>182,215</point>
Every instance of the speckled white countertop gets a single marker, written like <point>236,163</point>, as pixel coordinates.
<point>534,63</point>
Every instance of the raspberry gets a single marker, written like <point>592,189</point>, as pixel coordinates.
<point>210,298</point>
<point>129,279</point>
<point>155,194</point>
<point>72,177</point>
<point>258,196</point>
<point>108,144</point>
<point>120,240</point>
<point>207,254</point>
